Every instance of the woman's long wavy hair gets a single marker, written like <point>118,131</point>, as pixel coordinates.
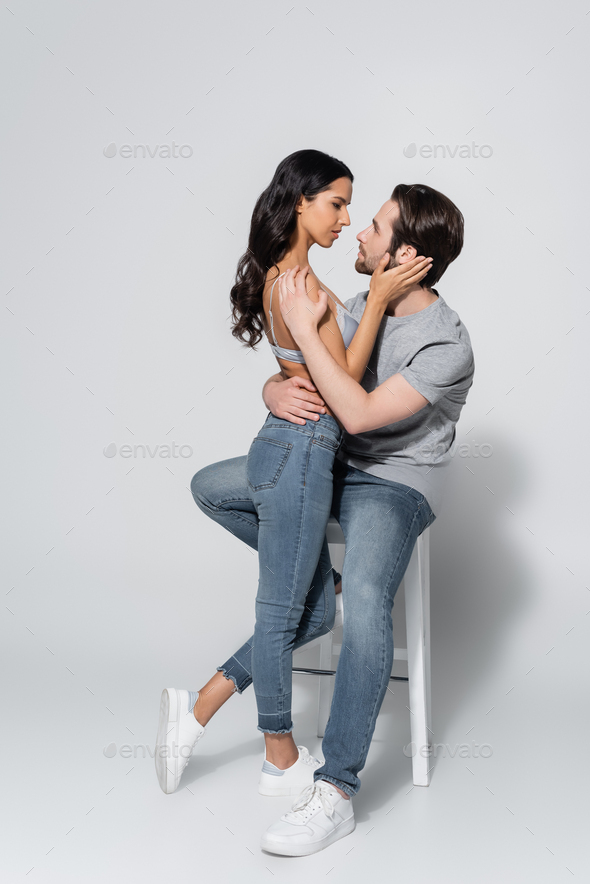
<point>303,173</point>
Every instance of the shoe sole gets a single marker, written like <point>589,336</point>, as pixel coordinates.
<point>168,718</point>
<point>276,847</point>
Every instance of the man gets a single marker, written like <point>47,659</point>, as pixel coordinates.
<point>399,425</point>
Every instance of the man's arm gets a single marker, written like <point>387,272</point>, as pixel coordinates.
<point>357,410</point>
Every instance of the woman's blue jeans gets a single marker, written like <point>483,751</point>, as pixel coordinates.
<point>381,521</point>
<point>289,472</point>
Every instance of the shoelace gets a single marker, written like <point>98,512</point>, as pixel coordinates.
<point>305,756</point>
<point>316,792</point>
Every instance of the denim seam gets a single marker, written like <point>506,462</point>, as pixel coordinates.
<point>297,558</point>
<point>302,503</point>
<point>324,445</point>
<point>240,519</point>
<point>298,554</point>
<point>325,617</point>
<point>299,550</point>
<point>220,508</point>
<point>282,675</point>
<point>287,448</point>
<point>291,427</point>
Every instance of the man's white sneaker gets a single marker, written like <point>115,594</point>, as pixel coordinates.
<point>291,781</point>
<point>319,817</point>
<point>178,732</point>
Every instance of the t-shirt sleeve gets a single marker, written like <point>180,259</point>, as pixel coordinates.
<point>437,367</point>
<point>350,304</point>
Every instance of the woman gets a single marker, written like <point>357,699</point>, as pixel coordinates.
<point>289,465</point>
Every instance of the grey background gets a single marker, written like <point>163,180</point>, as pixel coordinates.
<point>116,276</point>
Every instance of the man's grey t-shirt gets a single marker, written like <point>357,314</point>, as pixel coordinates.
<point>431,349</point>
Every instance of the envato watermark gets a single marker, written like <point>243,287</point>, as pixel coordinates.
<point>433,151</point>
<point>140,750</point>
<point>466,449</point>
<point>139,450</point>
<point>462,750</point>
<point>144,151</point>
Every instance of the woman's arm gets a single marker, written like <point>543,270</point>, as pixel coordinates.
<point>357,410</point>
<point>385,287</point>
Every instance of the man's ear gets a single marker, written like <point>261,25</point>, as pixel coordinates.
<point>406,253</point>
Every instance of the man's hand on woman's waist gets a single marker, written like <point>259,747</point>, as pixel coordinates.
<point>295,399</point>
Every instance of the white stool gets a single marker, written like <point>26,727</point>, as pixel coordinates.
<point>416,583</point>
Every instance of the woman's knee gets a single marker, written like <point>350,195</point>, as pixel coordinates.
<point>201,489</point>
<point>220,483</point>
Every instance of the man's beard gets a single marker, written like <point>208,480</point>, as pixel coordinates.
<point>369,264</point>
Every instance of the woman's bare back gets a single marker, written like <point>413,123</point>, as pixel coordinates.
<point>282,335</point>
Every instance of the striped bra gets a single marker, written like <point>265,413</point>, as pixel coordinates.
<point>346,323</point>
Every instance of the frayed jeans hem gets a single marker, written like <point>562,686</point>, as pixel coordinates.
<point>267,730</point>
<point>230,676</point>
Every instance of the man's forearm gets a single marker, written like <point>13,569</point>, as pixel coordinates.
<point>343,395</point>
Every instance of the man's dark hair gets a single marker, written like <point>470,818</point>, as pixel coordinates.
<point>430,222</point>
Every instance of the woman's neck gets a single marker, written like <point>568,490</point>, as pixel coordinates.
<point>294,257</point>
<point>298,252</point>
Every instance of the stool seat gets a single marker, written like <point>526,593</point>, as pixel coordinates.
<point>416,584</point>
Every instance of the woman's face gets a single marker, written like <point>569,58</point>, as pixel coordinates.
<point>322,218</point>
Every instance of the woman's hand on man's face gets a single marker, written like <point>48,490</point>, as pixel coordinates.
<point>300,314</point>
<point>388,285</point>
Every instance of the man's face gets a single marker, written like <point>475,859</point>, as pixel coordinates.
<point>376,239</point>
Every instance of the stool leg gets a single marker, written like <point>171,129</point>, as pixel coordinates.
<point>417,594</point>
<point>326,687</point>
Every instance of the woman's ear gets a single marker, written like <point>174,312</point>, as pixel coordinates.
<point>299,206</point>
<point>406,253</point>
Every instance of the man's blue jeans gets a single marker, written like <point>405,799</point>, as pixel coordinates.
<point>381,521</point>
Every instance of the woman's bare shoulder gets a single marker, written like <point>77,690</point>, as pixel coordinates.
<point>332,299</point>
<point>313,284</point>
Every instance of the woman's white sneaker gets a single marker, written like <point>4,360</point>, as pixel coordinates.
<point>319,817</point>
<point>178,732</point>
<point>291,781</point>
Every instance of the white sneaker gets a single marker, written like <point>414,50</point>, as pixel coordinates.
<point>178,732</point>
<point>319,817</point>
<point>291,781</point>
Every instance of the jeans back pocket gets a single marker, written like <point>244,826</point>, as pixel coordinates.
<point>328,442</point>
<point>266,461</point>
